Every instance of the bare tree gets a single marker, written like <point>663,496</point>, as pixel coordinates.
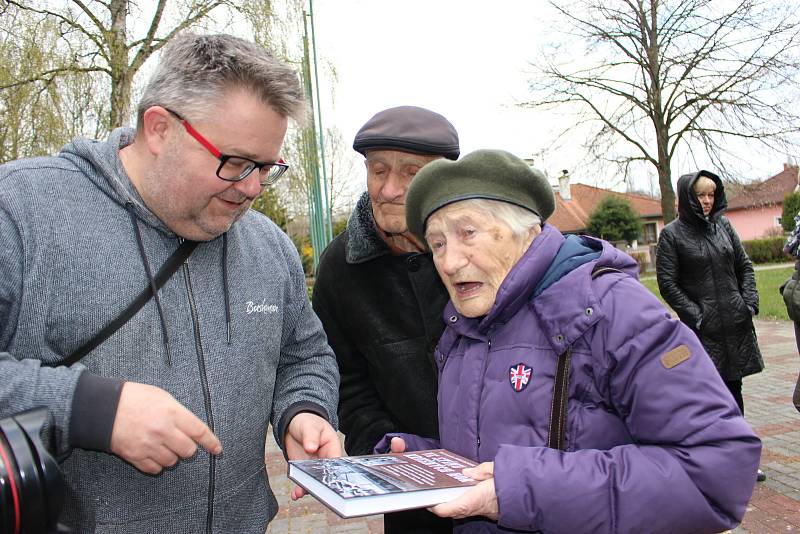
<point>279,26</point>
<point>99,39</point>
<point>650,78</point>
<point>339,168</point>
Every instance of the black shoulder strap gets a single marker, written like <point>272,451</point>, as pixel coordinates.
<point>558,409</point>
<point>166,271</point>
<point>603,270</point>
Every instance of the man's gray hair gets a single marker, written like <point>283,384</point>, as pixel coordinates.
<point>519,219</point>
<point>195,72</point>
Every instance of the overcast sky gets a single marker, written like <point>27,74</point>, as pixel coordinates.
<point>460,58</point>
<point>464,59</point>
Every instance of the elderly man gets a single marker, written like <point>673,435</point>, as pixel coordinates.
<point>380,300</point>
<point>228,345</point>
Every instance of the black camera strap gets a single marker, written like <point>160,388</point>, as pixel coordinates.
<point>166,271</point>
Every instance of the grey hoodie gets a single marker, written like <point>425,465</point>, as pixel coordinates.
<point>70,263</point>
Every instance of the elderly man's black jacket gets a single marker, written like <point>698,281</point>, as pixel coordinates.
<point>704,274</point>
<point>383,316</point>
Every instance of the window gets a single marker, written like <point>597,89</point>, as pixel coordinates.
<point>649,232</point>
<point>777,220</point>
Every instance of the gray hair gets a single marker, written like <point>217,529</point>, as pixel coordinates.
<point>519,219</point>
<point>195,72</point>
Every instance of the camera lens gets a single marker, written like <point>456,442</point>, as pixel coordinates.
<point>31,486</point>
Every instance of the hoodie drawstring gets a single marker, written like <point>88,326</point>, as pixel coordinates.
<point>225,286</point>
<point>165,334</point>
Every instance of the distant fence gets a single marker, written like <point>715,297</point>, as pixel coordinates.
<point>764,250</point>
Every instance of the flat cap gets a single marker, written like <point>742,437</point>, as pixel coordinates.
<point>408,129</point>
<point>490,174</point>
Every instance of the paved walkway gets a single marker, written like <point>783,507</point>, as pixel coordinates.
<point>774,508</point>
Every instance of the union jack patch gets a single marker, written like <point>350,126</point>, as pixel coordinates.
<point>519,375</point>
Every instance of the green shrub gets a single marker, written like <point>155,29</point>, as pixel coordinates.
<point>339,226</point>
<point>302,243</point>
<point>269,203</point>
<point>791,206</point>
<point>769,250</point>
<point>614,220</point>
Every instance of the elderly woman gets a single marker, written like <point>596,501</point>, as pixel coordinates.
<point>591,409</point>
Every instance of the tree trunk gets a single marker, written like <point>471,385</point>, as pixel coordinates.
<point>659,114</point>
<point>667,192</point>
<point>118,59</point>
<point>664,169</point>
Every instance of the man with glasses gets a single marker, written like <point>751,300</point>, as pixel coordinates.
<point>161,426</point>
<point>380,299</point>
<point>236,168</point>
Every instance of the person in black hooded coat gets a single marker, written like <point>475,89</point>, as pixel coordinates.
<point>790,290</point>
<point>705,275</point>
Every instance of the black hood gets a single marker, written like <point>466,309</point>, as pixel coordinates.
<point>689,208</point>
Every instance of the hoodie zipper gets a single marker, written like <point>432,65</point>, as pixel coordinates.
<point>201,363</point>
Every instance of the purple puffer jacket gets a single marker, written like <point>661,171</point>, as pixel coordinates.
<point>650,447</point>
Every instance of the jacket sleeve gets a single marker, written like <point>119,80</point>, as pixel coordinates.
<point>668,277</point>
<point>81,407</point>
<point>691,466</point>
<point>306,379</point>
<point>27,383</point>
<point>362,416</point>
<point>744,269</point>
<point>412,441</point>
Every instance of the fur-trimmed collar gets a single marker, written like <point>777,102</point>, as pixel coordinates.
<point>363,241</point>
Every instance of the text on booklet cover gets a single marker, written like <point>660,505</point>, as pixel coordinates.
<point>360,485</point>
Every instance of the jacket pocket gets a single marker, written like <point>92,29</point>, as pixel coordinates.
<point>791,297</point>
<point>168,520</point>
<point>250,506</point>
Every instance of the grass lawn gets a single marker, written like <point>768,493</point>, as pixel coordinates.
<point>767,280</point>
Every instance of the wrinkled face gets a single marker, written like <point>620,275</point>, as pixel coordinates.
<point>389,173</point>
<point>704,188</point>
<point>473,252</point>
<point>182,187</point>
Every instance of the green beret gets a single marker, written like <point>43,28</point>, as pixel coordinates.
<point>490,174</point>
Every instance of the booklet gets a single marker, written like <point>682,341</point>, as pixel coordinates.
<point>355,486</point>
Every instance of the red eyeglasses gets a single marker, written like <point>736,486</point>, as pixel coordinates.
<point>236,168</point>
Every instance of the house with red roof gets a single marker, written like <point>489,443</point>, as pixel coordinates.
<point>576,202</point>
<point>755,209</point>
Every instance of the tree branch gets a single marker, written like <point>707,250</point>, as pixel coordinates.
<point>48,75</point>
